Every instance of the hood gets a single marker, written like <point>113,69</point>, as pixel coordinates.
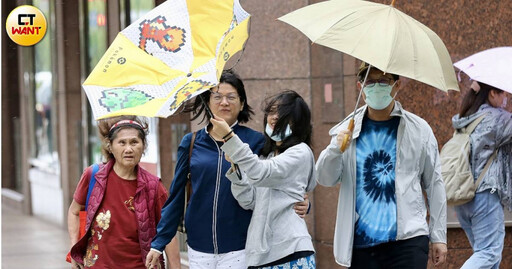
<point>459,122</point>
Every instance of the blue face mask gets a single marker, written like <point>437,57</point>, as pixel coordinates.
<point>277,137</point>
<point>378,97</point>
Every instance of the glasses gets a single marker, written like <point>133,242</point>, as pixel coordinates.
<point>382,82</point>
<point>217,98</point>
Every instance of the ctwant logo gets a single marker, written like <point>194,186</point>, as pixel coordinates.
<point>26,25</point>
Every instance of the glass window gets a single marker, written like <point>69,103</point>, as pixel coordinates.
<point>131,10</point>
<point>95,46</point>
<point>45,153</point>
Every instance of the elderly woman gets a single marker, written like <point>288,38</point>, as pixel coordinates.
<point>123,206</point>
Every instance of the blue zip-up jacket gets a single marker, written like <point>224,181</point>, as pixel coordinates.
<point>214,220</point>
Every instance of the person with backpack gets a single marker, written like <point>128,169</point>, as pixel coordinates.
<point>391,159</point>
<point>123,203</point>
<point>215,223</point>
<point>482,218</point>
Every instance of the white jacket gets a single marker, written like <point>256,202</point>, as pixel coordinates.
<point>417,168</point>
<point>271,187</point>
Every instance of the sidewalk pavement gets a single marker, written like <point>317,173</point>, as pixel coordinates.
<point>29,242</point>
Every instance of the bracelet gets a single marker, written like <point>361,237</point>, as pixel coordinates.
<point>226,140</point>
<point>226,136</point>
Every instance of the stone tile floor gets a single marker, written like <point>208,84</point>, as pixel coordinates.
<point>28,242</point>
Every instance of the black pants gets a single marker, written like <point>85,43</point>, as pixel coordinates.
<point>410,253</point>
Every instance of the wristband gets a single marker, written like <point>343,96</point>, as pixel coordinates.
<point>226,140</point>
<point>226,136</point>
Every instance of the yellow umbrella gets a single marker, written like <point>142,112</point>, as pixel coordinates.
<point>173,53</point>
<point>380,35</point>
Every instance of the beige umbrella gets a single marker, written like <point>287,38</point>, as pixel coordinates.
<point>380,35</point>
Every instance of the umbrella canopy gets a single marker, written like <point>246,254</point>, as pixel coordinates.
<point>173,53</point>
<point>380,35</point>
<point>492,67</point>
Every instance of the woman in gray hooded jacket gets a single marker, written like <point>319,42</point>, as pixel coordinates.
<point>482,218</point>
<point>272,183</point>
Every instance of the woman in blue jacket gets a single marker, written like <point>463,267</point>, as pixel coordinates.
<point>216,224</point>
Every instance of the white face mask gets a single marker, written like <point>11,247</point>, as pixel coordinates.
<point>277,137</point>
<point>378,97</point>
<point>504,103</point>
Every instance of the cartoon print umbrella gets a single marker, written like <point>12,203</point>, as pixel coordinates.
<point>380,35</point>
<point>173,53</point>
<point>492,67</point>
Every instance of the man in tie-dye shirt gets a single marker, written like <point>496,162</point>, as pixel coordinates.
<point>391,158</point>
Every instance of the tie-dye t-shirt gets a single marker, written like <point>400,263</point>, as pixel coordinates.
<point>375,187</point>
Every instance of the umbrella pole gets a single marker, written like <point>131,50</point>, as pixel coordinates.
<point>351,124</point>
<point>359,96</point>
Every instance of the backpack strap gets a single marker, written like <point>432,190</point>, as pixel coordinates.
<point>92,181</point>
<point>471,127</point>
<point>486,167</point>
<point>188,190</point>
<point>191,147</point>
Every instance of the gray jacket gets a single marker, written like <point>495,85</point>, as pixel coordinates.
<point>271,187</point>
<point>417,168</point>
<point>494,132</point>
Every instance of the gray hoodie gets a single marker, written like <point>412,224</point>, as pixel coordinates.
<point>270,187</point>
<point>493,132</point>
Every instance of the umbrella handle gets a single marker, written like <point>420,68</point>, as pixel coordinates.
<point>347,137</point>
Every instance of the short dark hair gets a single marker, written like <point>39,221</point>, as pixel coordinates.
<point>293,110</point>
<point>473,100</point>
<point>231,78</point>
<point>362,72</point>
<point>104,126</point>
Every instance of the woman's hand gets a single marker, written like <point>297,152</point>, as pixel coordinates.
<point>301,208</point>
<point>220,126</point>
<point>152,260</point>
<point>233,168</point>
<point>227,158</point>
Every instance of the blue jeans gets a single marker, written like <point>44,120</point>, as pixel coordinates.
<point>483,221</point>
